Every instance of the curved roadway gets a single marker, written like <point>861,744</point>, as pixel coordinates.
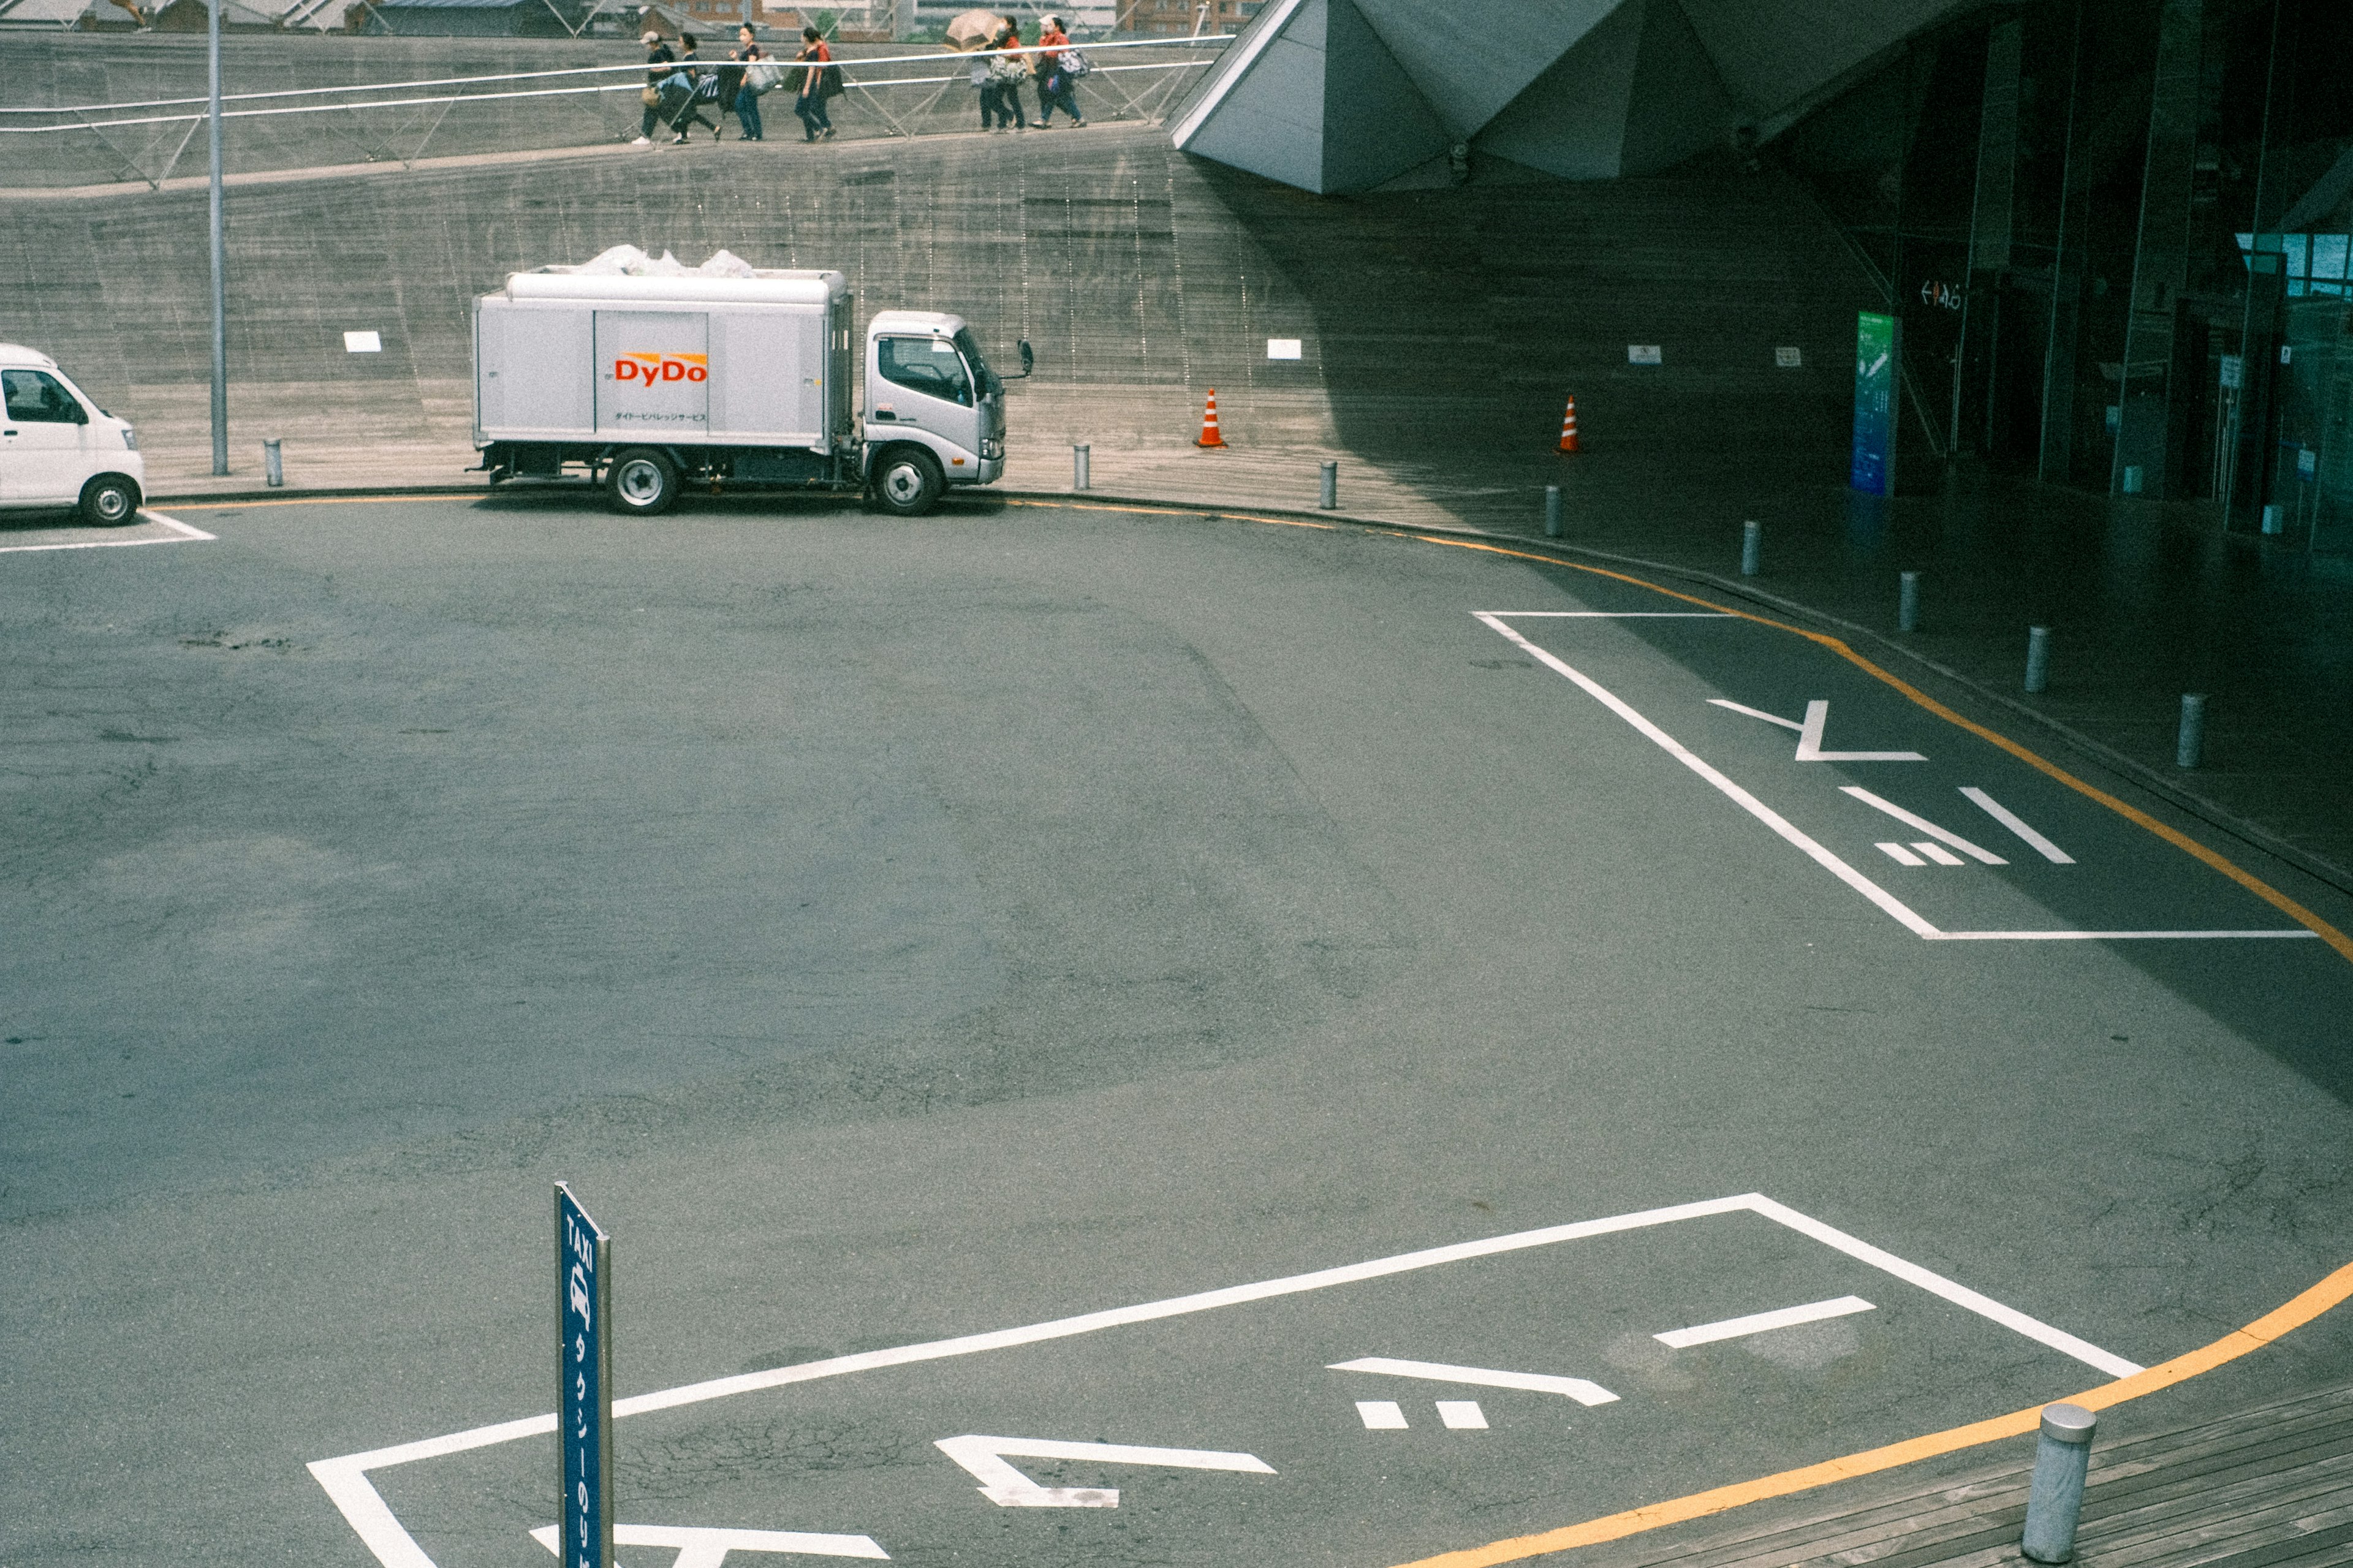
<point>898,932</point>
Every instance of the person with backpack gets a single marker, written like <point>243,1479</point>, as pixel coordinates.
<point>820,80</point>
<point>1058,68</point>
<point>756,77</point>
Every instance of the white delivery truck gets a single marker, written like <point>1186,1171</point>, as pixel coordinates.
<point>647,381</point>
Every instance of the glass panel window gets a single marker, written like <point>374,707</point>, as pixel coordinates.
<point>928,366</point>
<point>39,398</point>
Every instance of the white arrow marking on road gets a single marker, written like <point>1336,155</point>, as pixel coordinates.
<point>1577,1388</point>
<point>1810,743</point>
<point>700,1548</point>
<point>1986,857</point>
<point>1009,1488</point>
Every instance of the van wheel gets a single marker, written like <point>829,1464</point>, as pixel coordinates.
<point>908,482</point>
<point>642,482</point>
<point>109,500</point>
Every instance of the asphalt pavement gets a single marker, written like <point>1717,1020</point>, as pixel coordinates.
<point>901,932</point>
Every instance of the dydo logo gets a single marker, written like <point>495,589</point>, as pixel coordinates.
<point>640,365</point>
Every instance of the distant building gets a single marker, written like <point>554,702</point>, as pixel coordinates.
<point>1182,17</point>
<point>471,19</point>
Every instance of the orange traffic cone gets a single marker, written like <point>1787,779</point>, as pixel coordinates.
<point>1209,436</point>
<point>1569,427</point>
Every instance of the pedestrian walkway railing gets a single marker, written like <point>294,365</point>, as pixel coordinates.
<point>146,139</point>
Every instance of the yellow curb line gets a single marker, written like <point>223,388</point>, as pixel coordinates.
<point>2180,840</point>
<point>2305,1307</point>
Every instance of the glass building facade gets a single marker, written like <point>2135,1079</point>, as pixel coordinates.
<point>2116,233</point>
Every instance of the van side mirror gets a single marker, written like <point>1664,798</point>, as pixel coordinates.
<point>1028,360</point>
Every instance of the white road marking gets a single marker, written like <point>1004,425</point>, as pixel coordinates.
<point>180,529</point>
<point>1612,615</point>
<point>1758,714</point>
<point>1959,1295</point>
<point>344,1479</point>
<point>1897,853</point>
<point>1009,1488</point>
<point>1809,742</point>
<point>2011,819</point>
<point>1577,1388</point>
<point>700,1548</point>
<point>2270,933</point>
<point>1930,850</point>
<point>1887,902</point>
<point>1942,835</point>
<point>1762,1322</point>
<point>1381,1414</point>
<point>1462,1414</point>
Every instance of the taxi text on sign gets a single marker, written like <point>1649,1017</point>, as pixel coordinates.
<point>584,1320</point>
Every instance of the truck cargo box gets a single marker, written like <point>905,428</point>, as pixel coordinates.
<point>562,355</point>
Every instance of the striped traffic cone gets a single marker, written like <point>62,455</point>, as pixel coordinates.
<point>1569,427</point>
<point>1209,436</point>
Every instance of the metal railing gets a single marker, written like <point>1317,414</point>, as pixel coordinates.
<point>1157,84</point>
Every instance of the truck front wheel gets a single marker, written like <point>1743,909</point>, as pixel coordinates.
<point>908,482</point>
<point>642,482</point>
<point>109,500</point>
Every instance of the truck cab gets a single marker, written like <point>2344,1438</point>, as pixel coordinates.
<point>935,410</point>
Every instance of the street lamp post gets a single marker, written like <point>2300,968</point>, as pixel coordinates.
<point>220,297</point>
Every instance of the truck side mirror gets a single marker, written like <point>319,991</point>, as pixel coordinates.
<point>1028,360</point>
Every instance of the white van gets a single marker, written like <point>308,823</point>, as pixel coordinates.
<point>58,450</point>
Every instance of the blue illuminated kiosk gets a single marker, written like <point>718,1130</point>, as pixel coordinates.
<point>1878,361</point>
<point>584,1322</point>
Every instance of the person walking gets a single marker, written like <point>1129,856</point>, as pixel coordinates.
<point>1056,82</point>
<point>1005,73</point>
<point>820,80</point>
<point>659,68</point>
<point>700,86</point>
<point>751,81</point>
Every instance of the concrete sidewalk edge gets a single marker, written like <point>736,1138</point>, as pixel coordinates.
<point>2198,805</point>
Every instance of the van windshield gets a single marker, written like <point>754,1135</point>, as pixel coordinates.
<point>990,385</point>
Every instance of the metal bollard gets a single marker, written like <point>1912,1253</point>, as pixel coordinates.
<point>1330,499</point>
<point>273,465</point>
<point>1552,511</point>
<point>2190,744</point>
<point>1907,602</point>
<point>1751,547</point>
<point>2038,658</point>
<point>1082,461</point>
<point>2054,1497</point>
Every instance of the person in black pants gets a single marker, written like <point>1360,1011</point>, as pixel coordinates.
<point>684,116</point>
<point>820,80</point>
<point>658,63</point>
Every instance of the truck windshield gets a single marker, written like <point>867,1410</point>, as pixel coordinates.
<point>990,386</point>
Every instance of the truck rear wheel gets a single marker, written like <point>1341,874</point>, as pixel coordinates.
<point>642,482</point>
<point>907,481</point>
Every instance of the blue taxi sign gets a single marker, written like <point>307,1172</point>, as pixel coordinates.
<point>584,1319</point>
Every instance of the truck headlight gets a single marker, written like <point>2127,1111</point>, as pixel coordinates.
<point>991,448</point>
<point>130,437</point>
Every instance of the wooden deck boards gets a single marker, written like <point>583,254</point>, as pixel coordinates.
<point>2266,1487</point>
